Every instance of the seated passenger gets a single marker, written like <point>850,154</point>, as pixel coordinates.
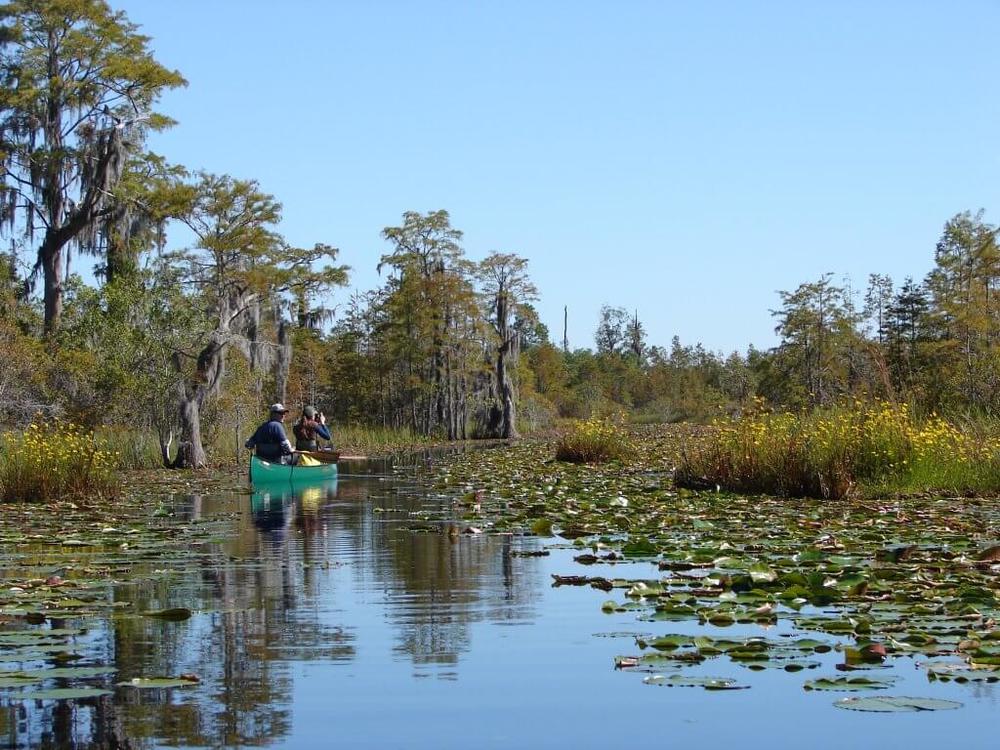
<point>309,428</point>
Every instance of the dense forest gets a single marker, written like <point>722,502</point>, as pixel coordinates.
<point>149,296</point>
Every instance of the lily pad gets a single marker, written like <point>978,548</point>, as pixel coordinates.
<point>891,704</point>
<point>761,573</point>
<point>708,683</point>
<point>150,683</point>
<point>62,694</point>
<point>639,547</point>
<point>850,684</point>
<point>70,672</point>
<point>542,527</point>
<point>174,614</point>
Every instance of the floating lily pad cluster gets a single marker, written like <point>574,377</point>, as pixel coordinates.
<point>63,562</point>
<point>27,656</point>
<point>73,563</point>
<point>877,579</point>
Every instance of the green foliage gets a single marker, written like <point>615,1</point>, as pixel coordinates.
<point>594,441</point>
<point>817,324</point>
<point>78,87</point>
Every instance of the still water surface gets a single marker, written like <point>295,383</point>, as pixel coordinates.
<point>348,616</point>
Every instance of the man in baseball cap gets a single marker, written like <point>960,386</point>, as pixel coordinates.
<point>269,441</point>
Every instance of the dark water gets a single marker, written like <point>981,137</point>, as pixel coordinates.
<point>335,617</point>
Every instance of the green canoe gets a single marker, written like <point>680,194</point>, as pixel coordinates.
<point>262,472</point>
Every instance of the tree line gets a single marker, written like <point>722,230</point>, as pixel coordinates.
<point>191,343</point>
<point>168,337</point>
<point>932,343</point>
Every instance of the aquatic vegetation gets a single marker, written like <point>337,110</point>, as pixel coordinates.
<point>158,683</point>
<point>87,565</point>
<point>872,581</point>
<point>887,704</point>
<point>861,448</point>
<point>54,460</point>
<point>593,441</point>
<point>707,683</point>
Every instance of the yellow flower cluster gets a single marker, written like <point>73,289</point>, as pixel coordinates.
<point>938,440</point>
<point>839,446</point>
<point>594,439</point>
<point>52,459</point>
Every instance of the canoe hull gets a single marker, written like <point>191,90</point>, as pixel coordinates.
<point>264,472</point>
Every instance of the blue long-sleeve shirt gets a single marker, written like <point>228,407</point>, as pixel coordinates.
<point>270,441</point>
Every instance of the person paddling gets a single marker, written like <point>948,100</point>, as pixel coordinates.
<point>309,428</point>
<point>269,441</point>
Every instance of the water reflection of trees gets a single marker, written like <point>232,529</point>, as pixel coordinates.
<point>243,650</point>
<point>437,582</point>
<point>264,602</point>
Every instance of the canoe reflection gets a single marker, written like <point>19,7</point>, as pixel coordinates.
<point>274,509</point>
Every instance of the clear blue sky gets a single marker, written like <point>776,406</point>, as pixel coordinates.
<point>683,159</point>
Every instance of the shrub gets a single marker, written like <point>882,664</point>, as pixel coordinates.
<point>59,460</point>
<point>592,441</point>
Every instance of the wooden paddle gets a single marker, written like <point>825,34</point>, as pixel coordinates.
<point>331,457</point>
<point>324,457</point>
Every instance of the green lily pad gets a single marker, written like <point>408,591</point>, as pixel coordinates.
<point>71,672</point>
<point>891,704</point>
<point>666,642</point>
<point>851,684</point>
<point>761,573</point>
<point>542,527</point>
<point>639,547</point>
<point>150,683</point>
<point>62,694</point>
<point>960,672</point>
<point>791,665</point>
<point>708,683</point>
<point>174,614</point>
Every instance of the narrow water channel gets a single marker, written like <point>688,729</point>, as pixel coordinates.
<point>361,614</point>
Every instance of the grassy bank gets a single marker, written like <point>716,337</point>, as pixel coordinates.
<point>858,449</point>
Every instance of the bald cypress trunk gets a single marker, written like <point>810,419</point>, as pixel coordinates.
<point>190,451</point>
<point>505,389</point>
<point>208,374</point>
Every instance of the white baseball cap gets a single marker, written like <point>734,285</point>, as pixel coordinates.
<point>278,408</point>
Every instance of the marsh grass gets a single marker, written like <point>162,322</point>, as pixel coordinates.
<point>366,439</point>
<point>593,441</point>
<point>134,449</point>
<point>874,448</point>
<point>54,460</point>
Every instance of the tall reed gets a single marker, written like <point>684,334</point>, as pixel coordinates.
<point>593,441</point>
<point>875,447</point>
